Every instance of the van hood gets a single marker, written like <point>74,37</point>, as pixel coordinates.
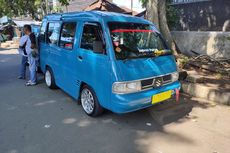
<point>134,69</point>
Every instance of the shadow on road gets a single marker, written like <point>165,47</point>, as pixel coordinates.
<point>37,116</point>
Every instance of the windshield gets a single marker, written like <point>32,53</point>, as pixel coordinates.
<point>134,40</point>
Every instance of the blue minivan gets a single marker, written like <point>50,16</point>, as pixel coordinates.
<point>107,61</point>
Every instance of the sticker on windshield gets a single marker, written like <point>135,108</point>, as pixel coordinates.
<point>132,30</point>
<point>147,50</point>
<point>155,51</point>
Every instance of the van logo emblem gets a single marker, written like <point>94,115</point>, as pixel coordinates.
<point>157,82</point>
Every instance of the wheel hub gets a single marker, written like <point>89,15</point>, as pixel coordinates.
<point>87,101</point>
<point>48,78</point>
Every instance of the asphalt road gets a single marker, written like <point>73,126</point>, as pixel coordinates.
<point>39,120</point>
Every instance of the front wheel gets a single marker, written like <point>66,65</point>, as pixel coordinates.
<point>90,102</point>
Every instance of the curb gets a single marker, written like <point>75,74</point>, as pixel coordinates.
<point>201,91</point>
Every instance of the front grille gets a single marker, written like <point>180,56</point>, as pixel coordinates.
<point>147,82</point>
<point>156,82</point>
<point>167,78</point>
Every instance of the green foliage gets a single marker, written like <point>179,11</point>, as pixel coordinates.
<point>12,8</point>
<point>57,9</point>
<point>4,10</point>
<point>64,2</point>
<point>228,38</point>
<point>143,2</point>
<point>172,16</point>
<point>171,12</point>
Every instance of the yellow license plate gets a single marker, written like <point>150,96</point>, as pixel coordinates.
<point>161,96</point>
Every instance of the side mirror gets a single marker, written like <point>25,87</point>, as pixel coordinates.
<point>98,47</point>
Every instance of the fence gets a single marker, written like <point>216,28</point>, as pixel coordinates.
<point>211,15</point>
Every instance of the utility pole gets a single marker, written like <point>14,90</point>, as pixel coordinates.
<point>132,6</point>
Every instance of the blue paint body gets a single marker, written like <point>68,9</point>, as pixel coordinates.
<point>100,71</point>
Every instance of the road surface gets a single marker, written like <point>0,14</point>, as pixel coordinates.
<point>39,120</point>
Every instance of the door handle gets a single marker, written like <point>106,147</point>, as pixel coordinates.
<point>80,57</point>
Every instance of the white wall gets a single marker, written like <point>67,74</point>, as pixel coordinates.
<point>204,42</point>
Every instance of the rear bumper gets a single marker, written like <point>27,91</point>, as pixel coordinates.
<point>123,103</point>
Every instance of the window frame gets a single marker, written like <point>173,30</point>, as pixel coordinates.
<point>76,24</point>
<point>95,23</point>
<point>47,30</point>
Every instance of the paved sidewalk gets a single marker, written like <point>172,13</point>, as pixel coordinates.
<point>208,87</point>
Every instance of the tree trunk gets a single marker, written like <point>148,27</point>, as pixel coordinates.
<point>152,11</point>
<point>156,12</point>
<point>164,26</point>
<point>66,8</point>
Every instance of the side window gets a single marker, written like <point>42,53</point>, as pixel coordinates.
<point>53,33</point>
<point>67,35</point>
<point>42,32</point>
<point>92,38</point>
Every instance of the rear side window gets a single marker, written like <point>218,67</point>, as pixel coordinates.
<point>53,33</point>
<point>42,32</point>
<point>67,35</point>
<point>92,34</point>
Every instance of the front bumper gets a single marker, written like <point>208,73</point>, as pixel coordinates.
<point>123,103</point>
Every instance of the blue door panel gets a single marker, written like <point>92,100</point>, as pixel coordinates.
<point>95,70</point>
<point>70,72</point>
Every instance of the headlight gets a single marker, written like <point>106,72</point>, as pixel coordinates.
<point>126,87</point>
<point>175,76</point>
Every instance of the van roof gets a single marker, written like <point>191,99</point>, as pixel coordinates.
<point>106,16</point>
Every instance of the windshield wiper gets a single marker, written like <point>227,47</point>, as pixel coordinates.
<point>128,58</point>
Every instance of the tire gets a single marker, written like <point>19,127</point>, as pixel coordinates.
<point>49,79</point>
<point>89,102</point>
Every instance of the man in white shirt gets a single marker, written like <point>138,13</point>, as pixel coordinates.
<point>29,48</point>
<point>22,45</point>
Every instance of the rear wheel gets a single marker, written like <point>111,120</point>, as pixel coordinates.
<point>49,79</point>
<point>90,102</point>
